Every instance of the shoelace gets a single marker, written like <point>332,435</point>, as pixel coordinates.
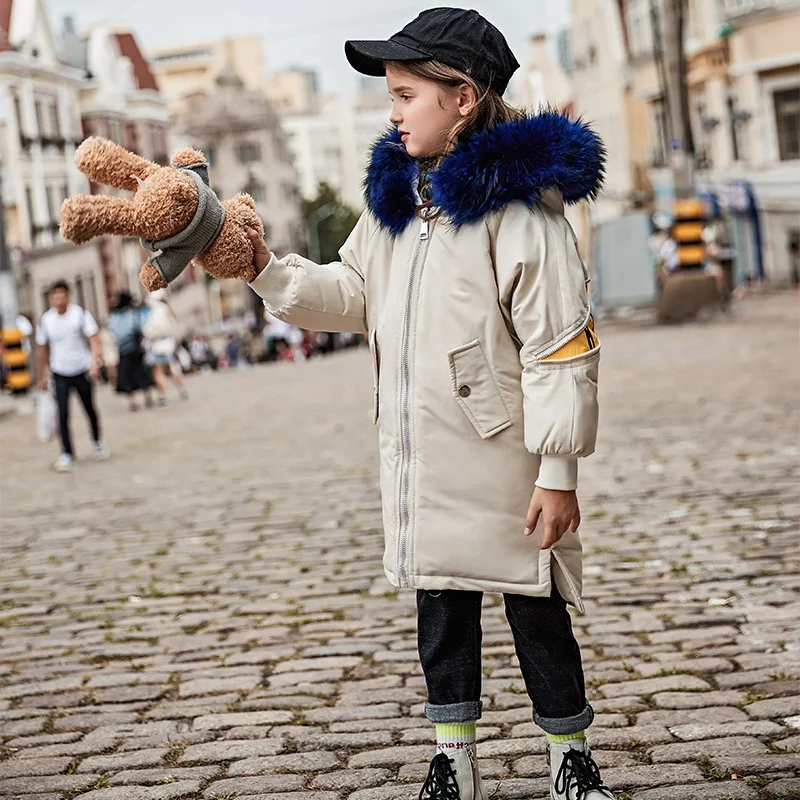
<point>578,771</point>
<point>441,781</point>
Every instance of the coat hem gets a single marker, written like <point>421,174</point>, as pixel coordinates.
<point>438,583</point>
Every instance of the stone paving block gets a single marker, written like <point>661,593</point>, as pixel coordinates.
<point>643,776</point>
<point>349,713</point>
<point>348,780</point>
<point>392,756</point>
<point>778,707</point>
<point>261,785</point>
<point>120,761</point>
<point>698,730</point>
<point>655,685</point>
<point>148,777</point>
<point>214,722</point>
<point>204,686</point>
<point>785,787</point>
<point>307,761</point>
<point>215,752</point>
<point>698,699</point>
<point>31,784</point>
<point>25,768</point>
<point>730,790</point>
<point>171,791</point>
<point>747,764</point>
<point>691,751</point>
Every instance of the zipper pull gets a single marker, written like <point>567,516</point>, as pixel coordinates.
<point>423,231</point>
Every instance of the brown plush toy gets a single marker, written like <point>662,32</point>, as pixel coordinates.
<point>173,211</point>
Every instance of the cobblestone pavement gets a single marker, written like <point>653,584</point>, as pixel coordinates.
<point>204,616</point>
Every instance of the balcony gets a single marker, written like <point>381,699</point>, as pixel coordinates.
<point>741,11</point>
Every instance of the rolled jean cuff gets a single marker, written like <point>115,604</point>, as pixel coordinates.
<point>563,726</point>
<point>454,712</point>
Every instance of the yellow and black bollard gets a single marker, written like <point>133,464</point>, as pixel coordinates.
<point>18,372</point>
<point>687,231</point>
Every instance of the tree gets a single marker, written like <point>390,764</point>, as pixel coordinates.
<point>328,220</point>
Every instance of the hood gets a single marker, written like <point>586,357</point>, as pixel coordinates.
<point>512,161</point>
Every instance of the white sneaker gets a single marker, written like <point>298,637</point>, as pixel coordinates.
<point>573,772</point>
<point>454,777</point>
<point>100,452</point>
<point>64,463</point>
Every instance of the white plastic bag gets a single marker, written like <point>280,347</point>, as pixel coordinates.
<point>46,416</point>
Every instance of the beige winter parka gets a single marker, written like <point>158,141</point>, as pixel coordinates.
<point>468,317</point>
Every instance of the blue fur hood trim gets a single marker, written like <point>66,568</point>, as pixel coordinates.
<point>513,161</point>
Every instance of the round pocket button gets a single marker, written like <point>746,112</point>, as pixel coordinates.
<point>464,391</point>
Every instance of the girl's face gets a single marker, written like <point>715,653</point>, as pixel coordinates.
<point>424,111</point>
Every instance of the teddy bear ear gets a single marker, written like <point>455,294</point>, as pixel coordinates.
<point>188,157</point>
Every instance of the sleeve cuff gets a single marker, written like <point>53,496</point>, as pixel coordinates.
<point>558,472</point>
<point>274,284</point>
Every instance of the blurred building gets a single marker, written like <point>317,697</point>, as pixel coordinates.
<point>40,127</point>
<point>120,100</point>
<point>190,68</point>
<point>330,138</point>
<point>240,132</point>
<point>743,79</point>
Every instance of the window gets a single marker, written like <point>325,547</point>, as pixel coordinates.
<point>733,126</point>
<point>40,130</point>
<point>640,34</point>
<point>248,152</point>
<point>55,122</point>
<point>257,191</point>
<point>48,192</point>
<point>787,123</point>
<point>64,191</point>
<point>209,151</point>
<point>29,205</point>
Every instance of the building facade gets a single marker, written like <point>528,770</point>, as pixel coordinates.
<point>40,128</point>
<point>240,132</point>
<point>743,78</point>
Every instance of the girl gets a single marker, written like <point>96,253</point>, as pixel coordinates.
<point>465,276</point>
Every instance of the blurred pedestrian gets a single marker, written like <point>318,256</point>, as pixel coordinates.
<point>133,375</point>
<point>161,331</point>
<point>109,353</point>
<point>69,348</point>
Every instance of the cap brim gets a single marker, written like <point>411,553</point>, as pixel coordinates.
<point>368,57</point>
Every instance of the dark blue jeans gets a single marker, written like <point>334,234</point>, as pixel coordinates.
<point>449,638</point>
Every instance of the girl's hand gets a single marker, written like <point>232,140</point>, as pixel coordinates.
<point>559,511</point>
<point>261,253</point>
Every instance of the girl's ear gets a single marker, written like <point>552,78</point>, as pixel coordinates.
<point>466,99</point>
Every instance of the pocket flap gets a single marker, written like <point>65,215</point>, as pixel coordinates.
<point>476,390</point>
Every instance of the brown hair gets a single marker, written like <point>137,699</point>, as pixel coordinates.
<point>490,108</point>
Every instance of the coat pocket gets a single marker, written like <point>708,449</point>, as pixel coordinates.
<point>476,390</point>
<point>376,372</point>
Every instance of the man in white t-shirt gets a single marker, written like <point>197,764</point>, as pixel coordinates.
<point>69,346</point>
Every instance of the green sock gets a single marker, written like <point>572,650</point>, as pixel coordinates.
<point>455,736</point>
<point>569,737</point>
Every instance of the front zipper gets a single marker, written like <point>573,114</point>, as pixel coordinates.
<point>405,421</point>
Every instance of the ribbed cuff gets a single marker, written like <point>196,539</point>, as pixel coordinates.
<point>558,472</point>
<point>275,284</point>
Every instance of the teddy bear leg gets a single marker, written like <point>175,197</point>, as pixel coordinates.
<point>150,279</point>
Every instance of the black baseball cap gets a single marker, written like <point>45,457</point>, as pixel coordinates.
<point>456,37</point>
